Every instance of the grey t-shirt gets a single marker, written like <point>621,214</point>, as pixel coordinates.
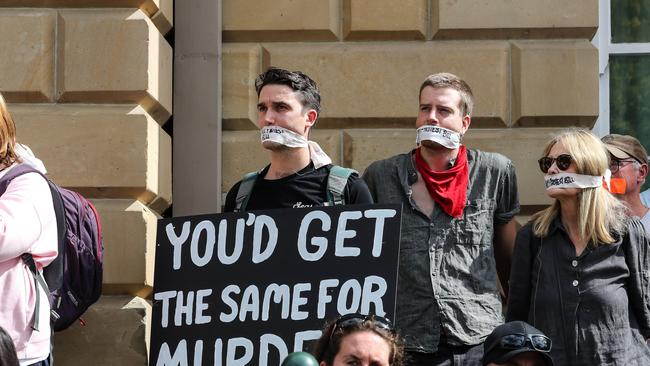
<point>447,286</point>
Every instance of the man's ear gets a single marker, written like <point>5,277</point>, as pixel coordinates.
<point>643,172</point>
<point>312,116</point>
<point>467,120</point>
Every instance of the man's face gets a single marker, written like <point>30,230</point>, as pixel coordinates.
<point>440,107</point>
<point>523,359</point>
<point>279,105</point>
<point>627,169</point>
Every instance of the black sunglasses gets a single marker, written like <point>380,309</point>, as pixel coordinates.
<point>539,342</point>
<point>356,319</point>
<point>563,162</point>
<point>616,164</point>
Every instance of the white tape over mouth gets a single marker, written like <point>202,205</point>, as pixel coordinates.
<point>440,135</point>
<point>288,138</point>
<point>282,136</point>
<point>572,180</point>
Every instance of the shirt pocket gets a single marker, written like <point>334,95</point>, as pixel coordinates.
<point>473,252</point>
<point>477,224</point>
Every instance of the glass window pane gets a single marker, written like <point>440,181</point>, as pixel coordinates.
<point>630,21</point>
<point>629,98</point>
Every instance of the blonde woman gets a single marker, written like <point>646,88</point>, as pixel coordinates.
<point>577,268</point>
<point>27,225</point>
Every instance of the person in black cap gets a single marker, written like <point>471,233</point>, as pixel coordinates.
<point>517,344</point>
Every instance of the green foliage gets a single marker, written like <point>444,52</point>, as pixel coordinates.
<point>629,97</point>
<point>630,21</point>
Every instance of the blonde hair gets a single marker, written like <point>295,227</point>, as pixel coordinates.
<point>7,136</point>
<point>600,214</point>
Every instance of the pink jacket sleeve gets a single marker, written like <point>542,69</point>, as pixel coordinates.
<point>27,220</point>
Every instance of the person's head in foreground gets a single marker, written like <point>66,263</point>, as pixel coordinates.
<point>517,344</point>
<point>575,163</point>
<point>8,355</point>
<point>362,340</point>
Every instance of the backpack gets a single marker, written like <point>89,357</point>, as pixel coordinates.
<point>74,279</point>
<point>336,181</point>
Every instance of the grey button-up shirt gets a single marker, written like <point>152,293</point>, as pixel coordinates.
<point>447,275</point>
<point>594,307</point>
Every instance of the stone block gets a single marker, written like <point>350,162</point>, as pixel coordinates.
<point>27,54</point>
<point>102,151</point>
<point>129,233</point>
<point>243,153</point>
<point>370,85</point>
<point>280,20</point>
<point>241,65</point>
<point>382,20</point>
<point>361,147</point>
<point>503,19</point>
<point>161,12</point>
<point>554,83</point>
<point>522,146</point>
<point>114,56</point>
<point>116,333</point>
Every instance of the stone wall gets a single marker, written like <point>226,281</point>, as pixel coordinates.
<point>531,65</point>
<point>89,83</point>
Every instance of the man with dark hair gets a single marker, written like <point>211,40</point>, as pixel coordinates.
<point>629,163</point>
<point>457,229</point>
<point>300,173</point>
<point>517,344</point>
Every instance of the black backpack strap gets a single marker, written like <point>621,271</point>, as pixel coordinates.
<point>244,191</point>
<point>53,273</point>
<point>38,280</point>
<point>15,172</point>
<point>336,182</point>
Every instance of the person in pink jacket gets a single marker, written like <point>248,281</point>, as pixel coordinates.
<point>27,225</point>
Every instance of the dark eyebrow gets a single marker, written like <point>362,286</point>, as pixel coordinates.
<point>280,104</point>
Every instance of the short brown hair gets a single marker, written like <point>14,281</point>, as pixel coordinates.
<point>447,80</point>
<point>7,136</point>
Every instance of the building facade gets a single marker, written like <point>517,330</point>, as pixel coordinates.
<point>90,85</point>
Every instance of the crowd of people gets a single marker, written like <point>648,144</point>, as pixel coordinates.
<point>573,280</point>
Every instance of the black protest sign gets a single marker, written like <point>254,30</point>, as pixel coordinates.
<point>249,288</point>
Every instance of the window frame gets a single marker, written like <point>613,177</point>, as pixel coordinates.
<point>603,41</point>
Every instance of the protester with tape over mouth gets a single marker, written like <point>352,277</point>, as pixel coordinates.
<point>578,269</point>
<point>360,340</point>
<point>300,173</point>
<point>629,166</point>
<point>457,229</point>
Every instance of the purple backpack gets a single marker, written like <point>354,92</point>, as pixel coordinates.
<point>74,278</point>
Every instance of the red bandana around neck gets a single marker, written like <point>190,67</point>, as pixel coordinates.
<point>448,188</point>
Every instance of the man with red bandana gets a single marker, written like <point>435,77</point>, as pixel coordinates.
<point>457,229</point>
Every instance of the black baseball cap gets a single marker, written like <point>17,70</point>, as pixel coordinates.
<point>510,339</point>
